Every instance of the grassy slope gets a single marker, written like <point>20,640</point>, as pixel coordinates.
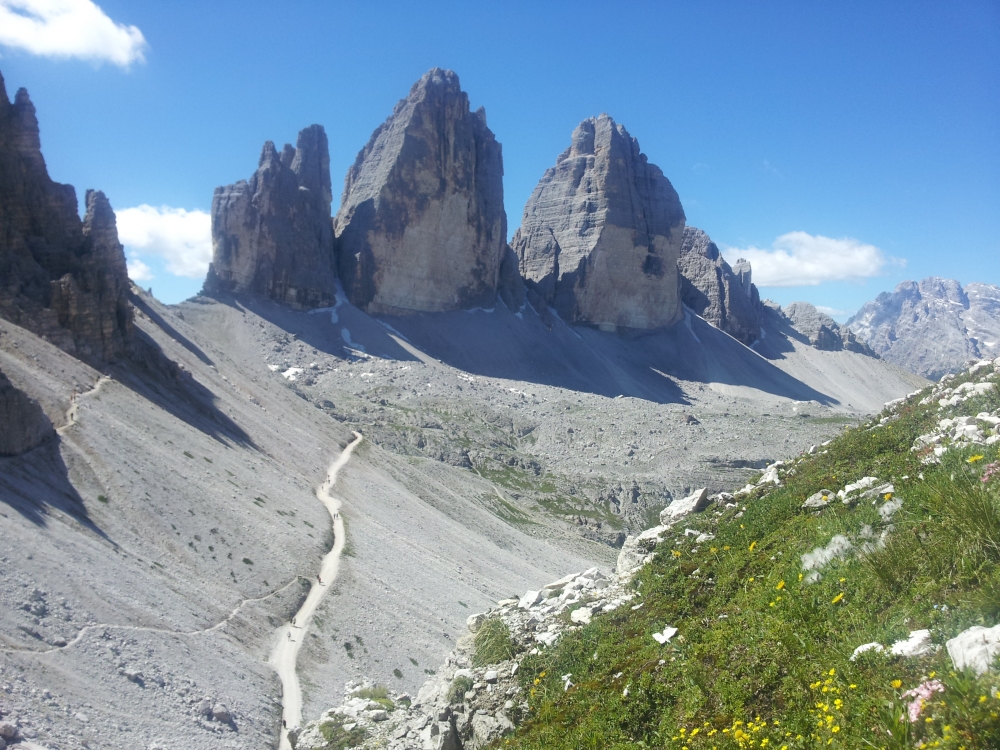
<point>762,658</point>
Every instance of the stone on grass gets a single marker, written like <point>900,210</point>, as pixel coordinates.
<point>975,648</point>
<point>818,500</point>
<point>918,644</point>
<point>665,636</point>
<point>865,647</point>
<point>693,503</point>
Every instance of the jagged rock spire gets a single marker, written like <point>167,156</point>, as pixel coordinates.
<point>422,225</point>
<point>601,233</point>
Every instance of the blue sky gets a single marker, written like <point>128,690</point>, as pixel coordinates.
<point>843,146</point>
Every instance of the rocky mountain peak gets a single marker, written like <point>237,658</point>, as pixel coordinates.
<point>601,233</point>
<point>272,235</point>
<point>932,327</point>
<point>421,227</point>
<point>821,331</point>
<point>724,296</point>
<point>59,277</point>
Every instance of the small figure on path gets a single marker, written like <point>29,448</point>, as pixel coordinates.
<point>293,622</point>
<point>290,636</point>
<point>284,724</point>
<point>320,580</point>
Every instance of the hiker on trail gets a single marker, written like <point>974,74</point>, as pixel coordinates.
<point>289,635</point>
<point>320,580</point>
<point>293,622</point>
<point>284,724</point>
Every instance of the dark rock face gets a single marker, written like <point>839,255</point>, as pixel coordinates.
<point>723,295</point>
<point>822,331</point>
<point>272,236</point>
<point>932,327</point>
<point>59,277</point>
<point>421,227</point>
<point>23,424</point>
<point>601,233</point>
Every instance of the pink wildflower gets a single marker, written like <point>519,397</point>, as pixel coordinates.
<point>920,695</point>
<point>990,471</point>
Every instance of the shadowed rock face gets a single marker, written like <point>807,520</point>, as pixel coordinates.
<point>723,295</point>
<point>932,327</point>
<point>422,226</point>
<point>823,332</point>
<point>59,277</point>
<point>601,233</point>
<point>272,236</point>
<point>23,424</point>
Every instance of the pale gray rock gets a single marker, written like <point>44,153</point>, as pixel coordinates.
<point>272,236</point>
<point>601,233</point>
<point>932,327</point>
<point>59,277</point>
<point>693,503</point>
<point>975,648</point>
<point>421,227</point>
<point>819,329</point>
<point>23,424</point>
<point>723,295</point>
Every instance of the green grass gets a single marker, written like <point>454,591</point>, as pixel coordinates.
<point>493,643</point>
<point>763,655</point>
<point>459,687</point>
<point>379,694</point>
<point>337,738</point>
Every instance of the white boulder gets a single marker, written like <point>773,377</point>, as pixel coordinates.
<point>975,648</point>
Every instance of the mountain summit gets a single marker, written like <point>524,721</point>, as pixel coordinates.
<point>421,226</point>
<point>602,231</point>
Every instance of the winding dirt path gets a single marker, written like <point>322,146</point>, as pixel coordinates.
<point>148,628</point>
<point>286,650</point>
<point>73,412</point>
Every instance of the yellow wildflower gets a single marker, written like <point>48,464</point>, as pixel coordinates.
<point>973,459</point>
<point>676,553</point>
<point>832,672</point>
<point>897,684</point>
<point>837,598</point>
<point>752,545</point>
<point>780,586</point>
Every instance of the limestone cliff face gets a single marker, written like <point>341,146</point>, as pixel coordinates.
<point>59,277</point>
<point>601,233</point>
<point>23,424</point>
<point>272,235</point>
<point>822,331</point>
<point>932,327</point>
<point>421,227</point>
<point>723,295</point>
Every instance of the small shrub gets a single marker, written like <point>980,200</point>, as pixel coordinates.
<point>398,674</point>
<point>337,738</point>
<point>188,454</point>
<point>247,561</point>
<point>379,694</point>
<point>459,687</point>
<point>493,643</point>
<point>102,499</point>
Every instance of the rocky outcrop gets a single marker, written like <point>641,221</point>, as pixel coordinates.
<point>601,233</point>
<point>723,295</point>
<point>818,329</point>
<point>932,327</point>
<point>23,424</point>
<point>271,235</point>
<point>59,277</point>
<point>421,227</point>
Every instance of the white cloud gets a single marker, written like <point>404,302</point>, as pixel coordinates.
<point>833,312</point>
<point>803,259</point>
<point>182,238</point>
<point>69,28</point>
<point>138,271</point>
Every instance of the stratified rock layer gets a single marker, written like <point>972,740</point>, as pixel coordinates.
<point>59,277</point>
<point>932,327</point>
<point>272,236</point>
<point>422,225</point>
<point>23,424</point>
<point>822,331</point>
<point>601,233</point>
<point>723,295</point>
